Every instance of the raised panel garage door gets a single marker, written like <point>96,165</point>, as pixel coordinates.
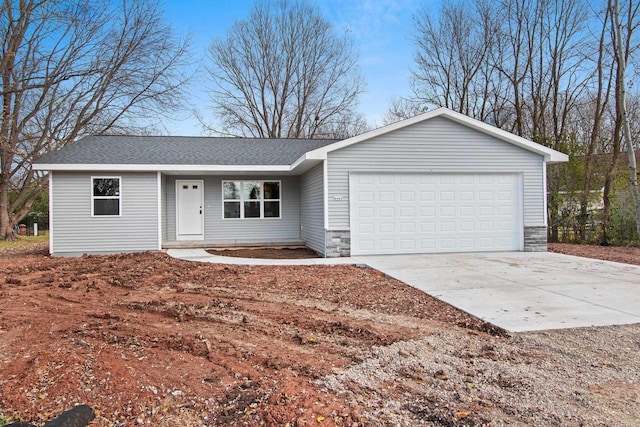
<point>430,213</point>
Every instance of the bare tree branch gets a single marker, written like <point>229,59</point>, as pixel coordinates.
<point>284,73</point>
<point>70,68</point>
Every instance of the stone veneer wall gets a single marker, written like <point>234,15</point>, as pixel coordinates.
<point>338,243</point>
<point>535,239</point>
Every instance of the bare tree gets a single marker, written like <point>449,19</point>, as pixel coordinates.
<point>343,126</point>
<point>401,109</point>
<point>72,67</point>
<point>284,73</point>
<point>622,48</point>
<point>556,80</point>
<point>452,58</point>
<point>513,58</point>
<point>597,106</point>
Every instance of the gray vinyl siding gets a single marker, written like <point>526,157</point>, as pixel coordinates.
<point>219,231</point>
<point>436,145</point>
<point>312,209</point>
<point>76,232</point>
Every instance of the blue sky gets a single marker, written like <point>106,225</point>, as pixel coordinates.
<point>382,31</point>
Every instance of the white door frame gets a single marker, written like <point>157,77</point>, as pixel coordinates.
<point>179,236</point>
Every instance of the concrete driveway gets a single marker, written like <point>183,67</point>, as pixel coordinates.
<point>522,291</point>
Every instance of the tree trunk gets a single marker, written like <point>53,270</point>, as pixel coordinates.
<point>601,103</point>
<point>6,219</point>
<point>621,106</point>
<point>553,203</point>
<point>608,182</point>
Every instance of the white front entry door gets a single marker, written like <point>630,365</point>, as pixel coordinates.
<point>189,210</point>
<point>429,213</point>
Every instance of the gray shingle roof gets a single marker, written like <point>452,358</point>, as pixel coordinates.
<point>182,150</point>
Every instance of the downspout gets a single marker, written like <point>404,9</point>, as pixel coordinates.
<point>50,212</point>
<point>159,176</point>
<point>544,193</point>
<point>325,189</point>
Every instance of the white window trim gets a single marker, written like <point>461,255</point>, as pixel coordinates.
<point>119,197</point>
<point>262,199</point>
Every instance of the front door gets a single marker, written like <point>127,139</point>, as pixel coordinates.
<point>189,212</point>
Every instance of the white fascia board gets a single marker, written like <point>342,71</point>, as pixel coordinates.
<point>299,161</point>
<point>303,164</point>
<point>160,168</point>
<point>550,155</point>
<point>320,153</point>
<point>557,157</point>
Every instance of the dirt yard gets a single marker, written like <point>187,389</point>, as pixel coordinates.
<point>268,253</point>
<point>150,340</point>
<point>627,254</point>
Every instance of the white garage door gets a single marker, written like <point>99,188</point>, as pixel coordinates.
<point>425,213</point>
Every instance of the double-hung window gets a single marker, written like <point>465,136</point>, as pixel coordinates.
<point>251,199</point>
<point>105,196</point>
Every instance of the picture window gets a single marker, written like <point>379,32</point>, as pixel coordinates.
<point>251,199</point>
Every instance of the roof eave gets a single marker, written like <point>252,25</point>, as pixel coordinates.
<point>88,167</point>
<point>556,157</point>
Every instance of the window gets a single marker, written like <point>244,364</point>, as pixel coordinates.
<point>271,199</point>
<point>251,199</point>
<point>105,196</point>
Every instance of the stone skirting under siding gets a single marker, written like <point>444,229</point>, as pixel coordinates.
<point>535,239</point>
<point>338,243</point>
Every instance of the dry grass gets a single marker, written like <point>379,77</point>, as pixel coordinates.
<point>24,244</point>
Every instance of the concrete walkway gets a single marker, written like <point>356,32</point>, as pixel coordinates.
<point>524,291</point>
<point>202,255</point>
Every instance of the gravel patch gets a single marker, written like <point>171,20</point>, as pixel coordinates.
<point>576,377</point>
